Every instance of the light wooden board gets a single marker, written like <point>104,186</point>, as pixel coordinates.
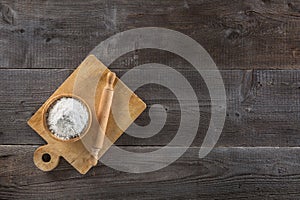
<point>86,83</point>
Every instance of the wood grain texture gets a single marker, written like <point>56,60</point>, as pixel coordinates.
<point>255,158</point>
<point>238,34</point>
<point>86,83</point>
<point>263,107</point>
<point>226,173</point>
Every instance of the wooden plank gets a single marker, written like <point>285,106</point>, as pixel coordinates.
<point>238,34</point>
<point>226,173</point>
<point>263,107</point>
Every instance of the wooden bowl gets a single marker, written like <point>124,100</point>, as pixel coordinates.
<point>51,102</point>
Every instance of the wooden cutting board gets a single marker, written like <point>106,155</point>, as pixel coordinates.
<point>85,83</point>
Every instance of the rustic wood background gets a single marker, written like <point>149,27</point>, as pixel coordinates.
<point>255,44</point>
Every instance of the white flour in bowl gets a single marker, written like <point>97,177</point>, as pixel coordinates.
<point>67,118</point>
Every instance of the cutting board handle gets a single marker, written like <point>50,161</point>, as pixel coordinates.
<point>45,158</point>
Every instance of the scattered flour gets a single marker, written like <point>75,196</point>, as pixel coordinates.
<point>67,118</point>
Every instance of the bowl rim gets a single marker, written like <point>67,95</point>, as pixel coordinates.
<point>48,105</point>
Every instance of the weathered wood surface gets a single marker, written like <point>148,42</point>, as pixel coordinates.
<point>263,106</point>
<point>227,173</point>
<point>238,34</point>
<point>42,42</point>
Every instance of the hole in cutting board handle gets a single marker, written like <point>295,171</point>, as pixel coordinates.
<point>46,157</point>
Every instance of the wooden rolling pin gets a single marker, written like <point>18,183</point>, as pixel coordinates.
<point>103,113</point>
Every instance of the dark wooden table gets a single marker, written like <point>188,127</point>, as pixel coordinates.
<point>255,44</point>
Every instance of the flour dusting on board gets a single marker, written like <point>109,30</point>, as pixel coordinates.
<point>67,118</point>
